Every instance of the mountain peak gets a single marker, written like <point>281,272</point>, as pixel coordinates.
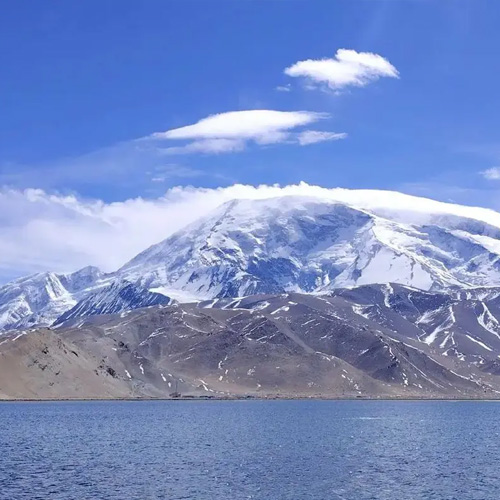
<point>308,240</point>
<point>312,244</point>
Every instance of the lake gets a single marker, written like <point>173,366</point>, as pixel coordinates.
<point>295,450</point>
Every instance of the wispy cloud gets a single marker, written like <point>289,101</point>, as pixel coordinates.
<point>131,165</point>
<point>164,173</point>
<point>491,174</point>
<point>313,136</point>
<point>347,68</point>
<point>284,88</point>
<point>208,146</point>
<point>463,194</point>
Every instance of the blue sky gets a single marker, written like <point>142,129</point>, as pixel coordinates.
<point>101,102</point>
<point>80,77</point>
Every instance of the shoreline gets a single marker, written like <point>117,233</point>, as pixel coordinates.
<point>249,398</point>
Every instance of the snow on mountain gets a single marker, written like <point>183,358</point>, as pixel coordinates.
<point>308,245</point>
<point>114,298</point>
<point>293,243</point>
<point>467,328</point>
<point>41,298</point>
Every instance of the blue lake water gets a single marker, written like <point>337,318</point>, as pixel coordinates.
<point>294,450</point>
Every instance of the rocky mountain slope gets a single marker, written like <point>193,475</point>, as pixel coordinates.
<point>384,340</point>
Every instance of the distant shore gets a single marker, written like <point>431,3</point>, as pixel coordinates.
<point>253,398</point>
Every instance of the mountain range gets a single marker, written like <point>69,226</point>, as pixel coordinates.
<point>359,295</point>
<point>276,245</point>
<point>371,341</point>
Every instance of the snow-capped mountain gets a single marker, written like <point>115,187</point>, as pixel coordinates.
<point>111,299</point>
<point>284,244</point>
<point>308,245</point>
<point>41,298</point>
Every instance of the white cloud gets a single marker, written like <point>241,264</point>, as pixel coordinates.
<point>42,231</point>
<point>284,88</point>
<point>347,68</point>
<point>313,136</point>
<point>231,131</point>
<point>209,146</point>
<point>492,174</point>
<point>251,124</point>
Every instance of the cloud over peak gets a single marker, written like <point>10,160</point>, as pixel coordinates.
<point>347,68</point>
<point>43,231</point>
